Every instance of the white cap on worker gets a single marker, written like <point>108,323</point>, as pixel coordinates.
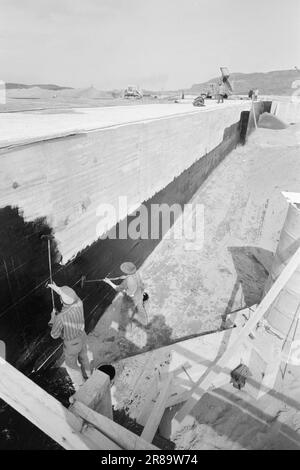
<point>128,268</point>
<point>68,295</point>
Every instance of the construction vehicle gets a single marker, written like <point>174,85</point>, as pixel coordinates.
<point>225,80</point>
<point>133,91</point>
<point>211,91</point>
<point>199,101</point>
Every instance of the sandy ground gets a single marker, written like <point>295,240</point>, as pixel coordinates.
<point>27,100</point>
<point>41,99</point>
<point>32,126</point>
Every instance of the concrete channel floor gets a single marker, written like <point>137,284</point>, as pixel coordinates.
<point>190,291</point>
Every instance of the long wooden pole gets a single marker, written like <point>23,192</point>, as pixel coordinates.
<point>122,436</point>
<point>158,410</point>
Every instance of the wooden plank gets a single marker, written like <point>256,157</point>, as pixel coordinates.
<point>177,398</point>
<point>95,393</point>
<point>105,405</point>
<point>269,378</point>
<point>158,411</point>
<point>133,374</point>
<point>179,394</point>
<point>282,358</point>
<point>203,384</point>
<point>146,410</point>
<point>122,436</point>
<point>257,365</point>
<point>99,440</point>
<point>43,410</point>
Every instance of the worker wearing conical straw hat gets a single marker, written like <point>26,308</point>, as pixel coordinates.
<point>132,288</point>
<point>70,326</point>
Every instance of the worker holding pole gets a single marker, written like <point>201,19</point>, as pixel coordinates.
<point>132,288</point>
<point>70,326</point>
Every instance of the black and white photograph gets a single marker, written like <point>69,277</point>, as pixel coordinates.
<point>149,228</point>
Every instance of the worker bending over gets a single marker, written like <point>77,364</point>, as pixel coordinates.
<point>69,325</point>
<point>132,288</point>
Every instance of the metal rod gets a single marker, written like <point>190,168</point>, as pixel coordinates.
<point>100,280</point>
<point>50,273</point>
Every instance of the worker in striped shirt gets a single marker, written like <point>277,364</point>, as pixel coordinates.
<point>69,325</point>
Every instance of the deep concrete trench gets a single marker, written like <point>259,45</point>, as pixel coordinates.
<point>25,311</point>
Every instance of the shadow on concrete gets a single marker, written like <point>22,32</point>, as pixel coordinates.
<point>117,336</point>
<point>227,413</point>
<point>252,266</point>
<point>231,418</point>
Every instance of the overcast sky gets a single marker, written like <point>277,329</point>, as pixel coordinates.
<point>160,44</point>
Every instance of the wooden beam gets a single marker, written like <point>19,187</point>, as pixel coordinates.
<point>283,357</point>
<point>158,411</point>
<point>203,384</point>
<point>269,378</point>
<point>96,394</point>
<point>148,403</point>
<point>177,398</point>
<point>120,435</point>
<point>47,413</point>
<point>177,394</point>
<point>98,439</point>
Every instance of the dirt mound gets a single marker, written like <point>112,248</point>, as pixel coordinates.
<point>33,93</point>
<point>90,93</point>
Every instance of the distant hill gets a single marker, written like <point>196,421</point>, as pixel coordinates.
<point>14,86</point>
<point>87,93</point>
<point>277,82</point>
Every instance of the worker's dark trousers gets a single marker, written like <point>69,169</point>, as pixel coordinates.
<point>134,307</point>
<point>75,351</point>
